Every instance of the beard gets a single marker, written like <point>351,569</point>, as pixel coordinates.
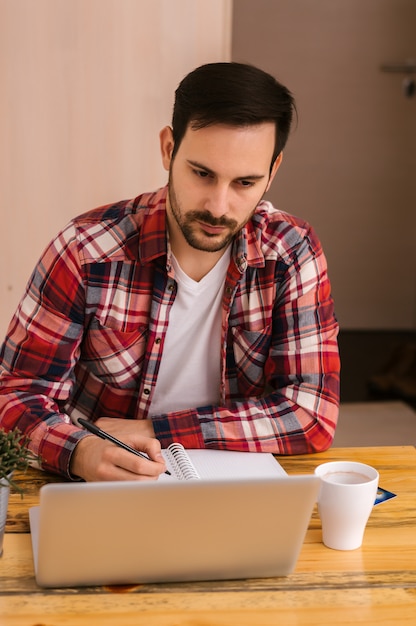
<point>189,224</point>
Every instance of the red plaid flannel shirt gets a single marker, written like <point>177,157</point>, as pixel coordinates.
<point>87,337</point>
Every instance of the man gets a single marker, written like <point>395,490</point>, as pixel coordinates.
<point>198,313</point>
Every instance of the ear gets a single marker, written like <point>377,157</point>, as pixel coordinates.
<point>275,167</point>
<point>166,146</point>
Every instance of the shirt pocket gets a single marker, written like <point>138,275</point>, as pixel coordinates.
<point>114,356</point>
<point>250,351</point>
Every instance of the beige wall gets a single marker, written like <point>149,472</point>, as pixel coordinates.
<point>350,165</point>
<point>86,86</point>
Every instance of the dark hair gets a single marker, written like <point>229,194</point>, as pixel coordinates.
<point>234,94</point>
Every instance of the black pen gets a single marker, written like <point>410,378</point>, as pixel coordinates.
<point>101,433</point>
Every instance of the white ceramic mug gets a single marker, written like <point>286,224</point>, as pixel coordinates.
<point>346,498</point>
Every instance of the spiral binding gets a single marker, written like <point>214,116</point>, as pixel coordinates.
<point>181,463</point>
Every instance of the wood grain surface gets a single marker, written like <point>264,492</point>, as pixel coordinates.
<point>373,585</point>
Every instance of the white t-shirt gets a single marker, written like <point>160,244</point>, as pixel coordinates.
<point>189,373</point>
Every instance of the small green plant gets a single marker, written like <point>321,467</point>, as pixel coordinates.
<point>14,455</point>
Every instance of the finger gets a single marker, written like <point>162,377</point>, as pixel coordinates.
<point>152,448</point>
<point>110,472</point>
<point>136,465</point>
<point>149,446</point>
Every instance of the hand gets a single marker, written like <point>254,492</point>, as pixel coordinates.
<point>95,459</point>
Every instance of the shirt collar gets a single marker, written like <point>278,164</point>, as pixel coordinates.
<point>247,250</point>
<point>153,233</point>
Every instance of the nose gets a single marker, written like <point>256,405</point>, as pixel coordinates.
<point>217,200</point>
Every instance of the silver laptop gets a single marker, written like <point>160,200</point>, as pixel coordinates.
<point>140,532</point>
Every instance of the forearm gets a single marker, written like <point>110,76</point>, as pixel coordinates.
<point>52,438</point>
<point>297,416</point>
<point>275,423</point>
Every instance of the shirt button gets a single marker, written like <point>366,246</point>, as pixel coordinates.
<point>171,287</point>
<point>158,340</point>
<point>146,392</point>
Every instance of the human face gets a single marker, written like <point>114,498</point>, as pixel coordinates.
<point>216,179</point>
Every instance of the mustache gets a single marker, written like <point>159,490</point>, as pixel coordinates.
<point>208,218</point>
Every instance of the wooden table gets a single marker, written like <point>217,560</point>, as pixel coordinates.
<point>374,585</point>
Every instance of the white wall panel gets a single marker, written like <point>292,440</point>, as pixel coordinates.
<point>86,86</point>
<point>349,167</point>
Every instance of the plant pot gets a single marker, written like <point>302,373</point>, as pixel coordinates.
<point>4,502</point>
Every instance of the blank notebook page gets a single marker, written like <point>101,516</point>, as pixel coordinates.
<point>217,464</point>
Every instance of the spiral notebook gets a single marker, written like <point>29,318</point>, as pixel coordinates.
<point>218,464</point>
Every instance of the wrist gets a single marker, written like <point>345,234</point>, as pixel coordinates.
<point>76,463</point>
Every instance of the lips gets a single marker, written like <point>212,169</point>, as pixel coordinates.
<point>211,230</point>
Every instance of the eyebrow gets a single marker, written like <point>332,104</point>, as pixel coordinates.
<point>209,171</point>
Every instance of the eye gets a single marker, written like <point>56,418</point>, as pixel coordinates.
<point>246,183</point>
<point>201,173</point>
